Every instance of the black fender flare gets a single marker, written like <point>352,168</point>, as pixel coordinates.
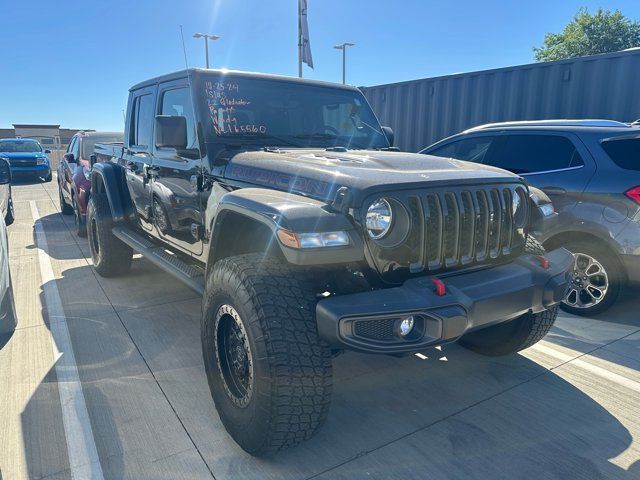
<point>287,211</point>
<point>110,179</point>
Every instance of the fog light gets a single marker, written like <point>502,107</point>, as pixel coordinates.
<point>406,325</point>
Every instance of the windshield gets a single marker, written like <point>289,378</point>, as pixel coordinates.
<point>14,146</point>
<point>89,143</point>
<point>282,113</point>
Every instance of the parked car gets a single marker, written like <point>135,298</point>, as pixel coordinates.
<point>74,174</point>
<point>6,200</point>
<point>591,171</point>
<point>283,204</point>
<point>7,307</point>
<point>27,157</point>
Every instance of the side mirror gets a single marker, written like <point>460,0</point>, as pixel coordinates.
<point>47,151</point>
<point>5,171</point>
<point>93,159</point>
<point>171,132</point>
<point>70,158</point>
<point>389,134</point>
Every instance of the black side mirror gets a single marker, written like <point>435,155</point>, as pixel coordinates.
<point>171,132</point>
<point>389,134</point>
<point>47,151</point>
<point>93,159</point>
<point>5,171</point>
<point>70,158</point>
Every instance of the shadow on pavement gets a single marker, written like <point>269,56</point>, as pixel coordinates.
<point>403,417</point>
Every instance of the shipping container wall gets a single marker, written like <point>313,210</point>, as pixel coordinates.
<point>423,111</point>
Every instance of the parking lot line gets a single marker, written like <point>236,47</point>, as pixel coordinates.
<point>83,455</point>
<point>594,369</point>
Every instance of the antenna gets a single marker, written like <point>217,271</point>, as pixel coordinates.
<point>184,49</point>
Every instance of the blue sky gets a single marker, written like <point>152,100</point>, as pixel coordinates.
<point>72,62</point>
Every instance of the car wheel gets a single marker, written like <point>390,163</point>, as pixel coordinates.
<point>65,208</point>
<point>48,177</point>
<point>110,255</point>
<point>160,217</point>
<point>596,280</point>
<point>79,219</point>
<point>268,370</point>
<point>9,217</point>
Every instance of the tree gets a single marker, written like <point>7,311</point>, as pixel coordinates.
<point>587,34</point>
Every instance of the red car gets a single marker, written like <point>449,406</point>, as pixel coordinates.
<point>74,174</point>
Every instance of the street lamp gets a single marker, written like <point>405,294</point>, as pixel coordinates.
<point>206,43</point>
<point>343,47</point>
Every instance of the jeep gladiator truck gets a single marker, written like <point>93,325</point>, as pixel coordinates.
<point>283,203</point>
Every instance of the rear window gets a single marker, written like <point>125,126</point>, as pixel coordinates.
<point>624,152</point>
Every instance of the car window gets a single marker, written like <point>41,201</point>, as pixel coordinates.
<point>524,154</point>
<point>76,148</point>
<point>141,121</point>
<point>89,143</point>
<point>19,146</point>
<point>472,149</point>
<point>71,145</point>
<point>624,152</point>
<point>177,102</point>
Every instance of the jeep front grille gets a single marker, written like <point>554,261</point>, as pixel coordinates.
<point>450,228</point>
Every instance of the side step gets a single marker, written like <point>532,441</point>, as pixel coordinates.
<point>191,275</point>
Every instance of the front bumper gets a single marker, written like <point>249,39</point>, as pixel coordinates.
<point>367,321</point>
<point>32,171</point>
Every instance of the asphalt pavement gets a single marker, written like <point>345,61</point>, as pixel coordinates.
<point>103,378</point>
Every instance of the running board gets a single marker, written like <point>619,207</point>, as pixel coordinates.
<point>191,275</point>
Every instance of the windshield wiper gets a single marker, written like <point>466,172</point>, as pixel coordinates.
<point>254,136</point>
<point>316,135</point>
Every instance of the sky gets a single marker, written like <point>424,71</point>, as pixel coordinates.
<point>72,62</point>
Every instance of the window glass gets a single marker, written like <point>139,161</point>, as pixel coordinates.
<point>177,102</point>
<point>71,145</point>
<point>624,152</point>
<point>75,149</point>
<point>524,154</point>
<point>16,146</point>
<point>142,121</point>
<point>471,149</point>
<point>89,143</point>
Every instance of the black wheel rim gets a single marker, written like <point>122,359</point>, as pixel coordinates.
<point>233,355</point>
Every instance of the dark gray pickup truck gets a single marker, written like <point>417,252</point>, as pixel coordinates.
<point>284,204</point>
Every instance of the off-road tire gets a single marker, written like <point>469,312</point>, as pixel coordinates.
<point>111,257</point>
<point>10,216</point>
<point>65,208</point>
<point>292,374</point>
<point>612,267</point>
<point>79,220</point>
<point>515,335</point>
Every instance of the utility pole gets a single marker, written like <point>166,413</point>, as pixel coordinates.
<point>206,44</point>
<point>343,47</point>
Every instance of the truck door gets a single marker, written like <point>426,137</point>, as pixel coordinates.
<point>175,198</point>
<point>137,153</point>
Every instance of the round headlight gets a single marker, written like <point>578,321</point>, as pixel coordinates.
<point>519,208</point>
<point>516,202</point>
<point>378,220</point>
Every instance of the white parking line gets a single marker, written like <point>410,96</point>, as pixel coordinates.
<point>83,455</point>
<point>598,371</point>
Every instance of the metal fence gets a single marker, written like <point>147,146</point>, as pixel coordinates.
<point>424,111</point>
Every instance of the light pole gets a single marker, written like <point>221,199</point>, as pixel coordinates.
<point>343,47</point>
<point>206,43</point>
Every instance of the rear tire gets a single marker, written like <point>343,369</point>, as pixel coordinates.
<point>515,335</point>
<point>65,208</point>
<point>10,216</point>
<point>579,300</point>
<point>79,220</point>
<point>273,392</point>
<point>111,257</point>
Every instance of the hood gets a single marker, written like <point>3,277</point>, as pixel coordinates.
<point>319,173</point>
<point>22,155</point>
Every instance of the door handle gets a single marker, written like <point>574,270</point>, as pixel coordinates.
<point>554,190</point>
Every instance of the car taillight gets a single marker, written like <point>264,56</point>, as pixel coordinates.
<point>634,194</point>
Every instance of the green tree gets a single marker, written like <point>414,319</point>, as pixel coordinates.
<point>603,32</point>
